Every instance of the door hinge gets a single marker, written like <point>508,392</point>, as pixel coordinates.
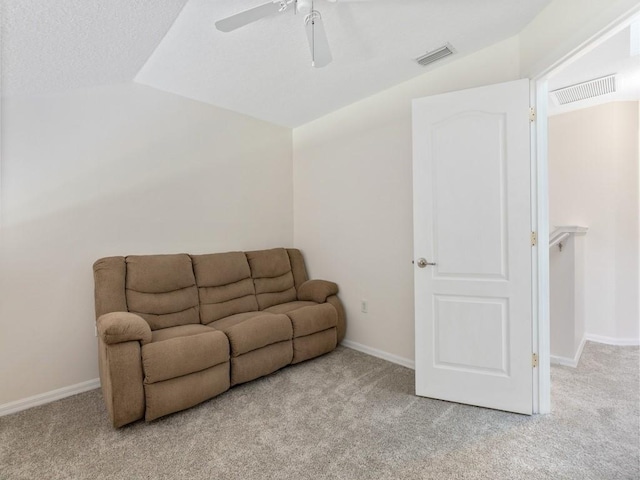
<point>532,114</point>
<point>534,239</point>
<point>534,360</point>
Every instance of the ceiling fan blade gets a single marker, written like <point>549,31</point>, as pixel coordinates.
<point>248,16</point>
<point>318,43</point>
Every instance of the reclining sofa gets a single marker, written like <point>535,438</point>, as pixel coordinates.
<point>176,330</point>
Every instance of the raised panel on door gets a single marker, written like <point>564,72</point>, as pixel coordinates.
<point>460,323</point>
<point>475,189</point>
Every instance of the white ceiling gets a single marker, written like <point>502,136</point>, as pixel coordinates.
<point>263,69</point>
<point>610,57</point>
<point>57,45</point>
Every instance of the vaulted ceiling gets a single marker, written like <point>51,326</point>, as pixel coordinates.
<point>262,69</point>
<point>49,46</point>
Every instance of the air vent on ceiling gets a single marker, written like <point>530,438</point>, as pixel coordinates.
<point>584,90</point>
<point>435,55</point>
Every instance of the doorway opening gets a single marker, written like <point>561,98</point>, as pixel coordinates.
<point>586,174</point>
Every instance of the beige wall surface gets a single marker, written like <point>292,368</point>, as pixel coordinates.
<point>352,172</point>
<point>126,169</point>
<point>353,197</point>
<point>112,171</point>
<point>593,182</point>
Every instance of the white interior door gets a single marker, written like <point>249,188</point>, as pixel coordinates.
<point>472,225</point>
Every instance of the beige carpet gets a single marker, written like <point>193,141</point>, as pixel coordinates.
<point>345,416</point>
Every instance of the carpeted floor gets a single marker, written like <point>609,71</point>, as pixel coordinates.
<point>345,416</point>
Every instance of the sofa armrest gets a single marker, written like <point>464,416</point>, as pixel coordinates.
<point>317,290</point>
<point>119,327</point>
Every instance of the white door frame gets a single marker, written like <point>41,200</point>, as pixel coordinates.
<point>540,208</point>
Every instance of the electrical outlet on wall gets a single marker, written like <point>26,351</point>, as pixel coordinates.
<point>95,330</point>
<point>364,306</point>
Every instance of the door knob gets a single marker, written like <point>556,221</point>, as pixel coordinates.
<point>423,263</point>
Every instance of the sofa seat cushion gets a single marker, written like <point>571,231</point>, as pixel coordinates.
<point>180,356</point>
<point>313,319</point>
<point>232,320</point>
<point>258,332</point>
<point>289,306</point>
<point>181,331</point>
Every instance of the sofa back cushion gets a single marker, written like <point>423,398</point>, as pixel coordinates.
<point>224,284</point>
<point>297,267</point>
<point>162,290</point>
<point>272,277</point>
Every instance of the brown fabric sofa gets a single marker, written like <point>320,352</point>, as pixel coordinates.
<point>176,330</point>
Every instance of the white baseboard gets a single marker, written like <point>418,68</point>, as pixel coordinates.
<point>621,342</point>
<point>48,397</point>
<point>570,362</point>
<point>405,362</point>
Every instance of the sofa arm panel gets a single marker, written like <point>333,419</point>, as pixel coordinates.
<point>119,327</point>
<point>109,276</point>
<point>317,290</point>
<point>341,326</point>
<point>121,380</point>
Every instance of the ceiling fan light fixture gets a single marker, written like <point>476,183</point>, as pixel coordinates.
<point>435,55</point>
<point>304,6</point>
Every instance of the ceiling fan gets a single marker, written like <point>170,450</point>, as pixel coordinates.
<point>316,35</point>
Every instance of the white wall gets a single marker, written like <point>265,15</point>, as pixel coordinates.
<point>563,26</point>
<point>567,299</point>
<point>353,199</point>
<point>593,182</point>
<point>111,171</point>
<point>562,299</point>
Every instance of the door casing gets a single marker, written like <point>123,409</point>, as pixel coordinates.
<point>540,204</point>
